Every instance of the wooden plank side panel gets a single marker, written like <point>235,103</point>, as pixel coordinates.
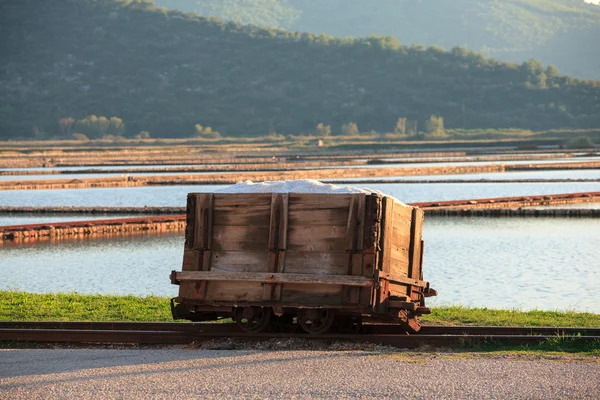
<point>415,247</point>
<point>309,202</point>
<point>275,277</point>
<point>329,263</point>
<point>327,217</point>
<point>240,238</point>
<point>242,209</point>
<point>311,294</point>
<point>232,291</point>
<point>250,216</point>
<point>402,216</point>
<point>401,236</point>
<point>399,261</point>
<point>316,238</point>
<point>398,290</point>
<point>240,261</point>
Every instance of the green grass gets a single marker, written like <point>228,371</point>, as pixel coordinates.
<point>21,306</point>
<point>457,315</point>
<point>558,344</point>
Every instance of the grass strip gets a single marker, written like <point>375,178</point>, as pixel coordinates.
<point>22,306</point>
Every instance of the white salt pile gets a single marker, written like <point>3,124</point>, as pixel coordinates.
<point>296,186</point>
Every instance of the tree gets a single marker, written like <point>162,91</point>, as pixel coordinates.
<point>435,126</point>
<point>323,130</point>
<point>66,125</point>
<point>205,132</point>
<point>350,129</point>
<point>400,127</point>
<point>552,71</point>
<point>103,125</point>
<point>143,135</point>
<point>116,126</point>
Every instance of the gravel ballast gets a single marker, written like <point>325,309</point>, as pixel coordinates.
<point>182,373</point>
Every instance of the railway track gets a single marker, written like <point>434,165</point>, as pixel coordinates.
<point>145,333</point>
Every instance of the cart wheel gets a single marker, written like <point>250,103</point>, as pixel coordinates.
<point>252,319</point>
<point>315,321</point>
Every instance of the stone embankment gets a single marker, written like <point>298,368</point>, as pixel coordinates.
<point>321,174</point>
<point>519,212</point>
<point>280,164</point>
<point>69,230</point>
<point>92,210</point>
<point>514,202</point>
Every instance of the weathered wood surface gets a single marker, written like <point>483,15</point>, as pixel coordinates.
<point>274,277</point>
<point>296,248</point>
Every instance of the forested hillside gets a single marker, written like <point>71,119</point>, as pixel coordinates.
<point>165,72</point>
<point>560,32</point>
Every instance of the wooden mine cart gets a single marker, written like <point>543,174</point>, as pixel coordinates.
<point>265,259</point>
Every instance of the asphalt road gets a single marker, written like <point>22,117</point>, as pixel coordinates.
<point>237,374</point>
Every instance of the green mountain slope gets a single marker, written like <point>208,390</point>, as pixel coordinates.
<point>559,32</point>
<point>164,72</point>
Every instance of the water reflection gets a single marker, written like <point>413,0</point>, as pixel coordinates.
<point>482,262</point>
<point>138,264</point>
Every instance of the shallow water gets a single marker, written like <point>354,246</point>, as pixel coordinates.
<point>176,195</point>
<point>545,264</point>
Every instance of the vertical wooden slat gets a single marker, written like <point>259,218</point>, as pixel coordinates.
<point>351,238</point>
<point>203,237</point>
<point>387,229</point>
<point>414,252</point>
<point>207,239</point>
<point>351,227</point>
<point>354,245</point>
<point>282,242</point>
<point>190,220</point>
<point>372,237</point>
<point>360,222</point>
<point>274,238</point>
<point>421,260</point>
<point>190,254</point>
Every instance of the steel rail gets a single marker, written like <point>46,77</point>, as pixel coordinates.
<point>231,328</point>
<point>182,333</point>
<point>178,337</point>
